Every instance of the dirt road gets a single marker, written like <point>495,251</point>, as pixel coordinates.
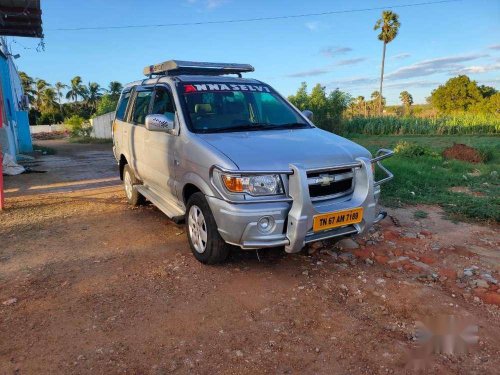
<point>89,285</point>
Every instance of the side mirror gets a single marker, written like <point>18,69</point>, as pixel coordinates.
<point>159,123</point>
<point>308,114</point>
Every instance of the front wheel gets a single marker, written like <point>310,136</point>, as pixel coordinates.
<point>204,239</point>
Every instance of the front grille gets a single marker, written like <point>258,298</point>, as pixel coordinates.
<point>330,183</point>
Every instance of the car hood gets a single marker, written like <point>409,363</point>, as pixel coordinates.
<point>276,149</point>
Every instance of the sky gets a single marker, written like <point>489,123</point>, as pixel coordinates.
<point>340,50</point>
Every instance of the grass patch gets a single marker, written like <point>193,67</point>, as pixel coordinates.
<point>424,177</point>
<point>43,150</point>
<point>90,140</point>
<point>420,214</point>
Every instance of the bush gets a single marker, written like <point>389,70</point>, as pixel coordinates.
<point>327,108</point>
<point>49,118</point>
<point>106,104</point>
<point>487,153</point>
<point>412,150</point>
<point>78,127</point>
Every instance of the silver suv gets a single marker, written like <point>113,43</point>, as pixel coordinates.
<point>239,163</point>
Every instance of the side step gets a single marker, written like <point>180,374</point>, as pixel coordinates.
<point>168,208</point>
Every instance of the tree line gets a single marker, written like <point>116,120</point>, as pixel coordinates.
<point>458,96</point>
<point>47,104</point>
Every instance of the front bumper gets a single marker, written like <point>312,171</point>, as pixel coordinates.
<point>293,218</point>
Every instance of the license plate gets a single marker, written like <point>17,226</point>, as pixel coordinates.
<point>337,219</point>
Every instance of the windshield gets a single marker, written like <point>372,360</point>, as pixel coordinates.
<point>218,107</point>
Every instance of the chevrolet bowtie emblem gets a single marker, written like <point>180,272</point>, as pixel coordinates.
<point>324,180</point>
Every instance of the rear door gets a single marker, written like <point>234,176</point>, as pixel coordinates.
<point>119,124</point>
<point>159,146</point>
<point>137,131</point>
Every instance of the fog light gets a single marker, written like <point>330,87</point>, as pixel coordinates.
<point>265,224</point>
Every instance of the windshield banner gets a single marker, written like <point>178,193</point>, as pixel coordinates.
<point>217,87</point>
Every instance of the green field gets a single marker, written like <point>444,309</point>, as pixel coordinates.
<point>428,179</point>
<point>444,125</point>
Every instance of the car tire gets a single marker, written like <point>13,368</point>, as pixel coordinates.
<point>206,243</point>
<point>134,198</point>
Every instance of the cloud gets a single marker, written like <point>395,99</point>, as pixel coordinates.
<point>412,84</point>
<point>207,4</point>
<point>495,47</point>
<point>401,56</point>
<point>433,66</point>
<point>475,69</point>
<point>492,82</point>
<point>353,82</point>
<point>374,81</point>
<point>351,61</point>
<point>335,51</point>
<point>313,26</point>
<point>326,69</point>
<point>310,72</point>
<point>211,4</point>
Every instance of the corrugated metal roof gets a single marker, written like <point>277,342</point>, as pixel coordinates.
<point>21,18</point>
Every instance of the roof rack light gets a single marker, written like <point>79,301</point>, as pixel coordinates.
<point>177,67</point>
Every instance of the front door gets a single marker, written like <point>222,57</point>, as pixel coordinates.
<point>159,146</point>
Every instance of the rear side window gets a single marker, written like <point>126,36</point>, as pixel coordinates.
<point>122,106</point>
<point>141,106</point>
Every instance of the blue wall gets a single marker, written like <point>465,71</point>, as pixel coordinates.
<point>23,132</point>
<point>20,117</point>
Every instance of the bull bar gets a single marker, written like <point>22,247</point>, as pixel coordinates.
<point>298,223</point>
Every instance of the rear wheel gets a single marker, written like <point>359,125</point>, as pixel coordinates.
<point>204,239</point>
<point>129,184</point>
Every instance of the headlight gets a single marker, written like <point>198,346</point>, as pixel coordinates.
<point>253,185</point>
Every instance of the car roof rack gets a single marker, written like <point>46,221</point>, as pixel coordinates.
<point>178,67</point>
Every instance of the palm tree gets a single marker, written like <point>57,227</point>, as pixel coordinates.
<point>352,106</point>
<point>114,89</point>
<point>27,82</point>
<point>48,100</point>
<point>361,104</point>
<point>40,86</point>
<point>76,89</point>
<point>59,86</point>
<point>407,100</point>
<point>389,26</point>
<point>93,94</point>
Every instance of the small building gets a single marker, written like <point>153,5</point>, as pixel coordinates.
<point>15,134</point>
<point>21,18</point>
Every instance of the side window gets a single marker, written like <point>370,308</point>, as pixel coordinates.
<point>141,106</point>
<point>163,103</point>
<point>122,106</point>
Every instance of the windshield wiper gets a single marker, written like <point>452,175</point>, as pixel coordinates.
<point>294,125</point>
<point>231,129</point>
<point>236,128</point>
